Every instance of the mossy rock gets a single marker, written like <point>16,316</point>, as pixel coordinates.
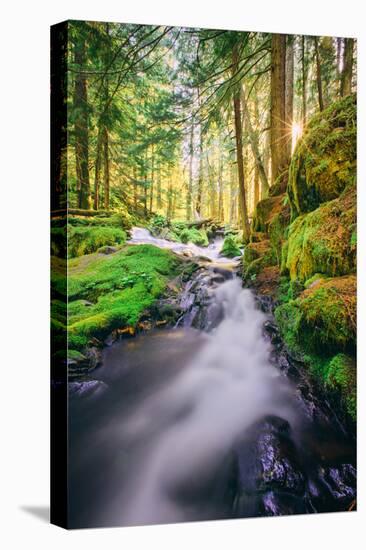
<point>279,186</point>
<point>265,211</point>
<point>261,249</point>
<point>277,231</point>
<point>87,239</point>
<point>341,376</point>
<point>322,319</point>
<point>109,292</point>
<point>194,236</point>
<point>324,161</point>
<point>322,241</point>
<point>230,248</point>
<point>257,236</point>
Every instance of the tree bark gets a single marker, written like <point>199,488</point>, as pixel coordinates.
<point>152,180</point>
<point>289,99</point>
<point>190,176</point>
<point>106,167</point>
<point>304,80</point>
<point>81,128</point>
<point>318,74</point>
<point>346,81</point>
<point>199,184</point>
<point>98,165</point>
<point>278,128</point>
<point>239,150</point>
<point>253,138</point>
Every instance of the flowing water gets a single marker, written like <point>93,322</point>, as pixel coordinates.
<point>189,419</point>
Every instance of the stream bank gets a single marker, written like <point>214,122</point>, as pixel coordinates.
<point>220,384</point>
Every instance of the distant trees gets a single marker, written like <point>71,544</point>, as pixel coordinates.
<point>191,122</point>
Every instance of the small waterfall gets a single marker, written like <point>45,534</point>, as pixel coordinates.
<point>140,235</point>
<point>197,417</point>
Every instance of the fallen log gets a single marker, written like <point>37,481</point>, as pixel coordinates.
<point>80,212</point>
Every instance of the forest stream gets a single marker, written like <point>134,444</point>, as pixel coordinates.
<point>210,419</point>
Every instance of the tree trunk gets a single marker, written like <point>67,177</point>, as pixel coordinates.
<point>239,150</point>
<point>346,81</point>
<point>81,128</point>
<point>98,165</point>
<point>289,100</point>
<point>199,185</point>
<point>159,201</point>
<point>106,182</point>
<point>256,187</point>
<point>106,168</point>
<point>190,176</point>
<point>152,180</point>
<point>233,194</point>
<point>304,80</point>
<point>253,138</point>
<point>318,74</point>
<point>278,128</point>
<point>221,185</point>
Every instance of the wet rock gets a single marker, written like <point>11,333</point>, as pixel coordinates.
<point>283,504</point>
<point>340,482</point>
<point>270,480</point>
<point>107,249</point>
<point>87,388</point>
<point>94,357</point>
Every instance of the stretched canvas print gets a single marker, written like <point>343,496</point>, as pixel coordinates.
<point>203,308</point>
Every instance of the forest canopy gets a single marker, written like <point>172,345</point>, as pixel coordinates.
<point>191,123</point>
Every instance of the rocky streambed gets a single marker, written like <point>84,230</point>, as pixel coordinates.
<point>204,415</point>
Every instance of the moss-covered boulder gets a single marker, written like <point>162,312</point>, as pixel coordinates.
<point>256,257</point>
<point>324,241</point>
<point>320,327</point>
<point>323,318</point>
<point>324,161</point>
<point>277,231</point>
<point>259,249</point>
<point>195,236</point>
<point>110,292</point>
<point>340,376</point>
<point>230,248</point>
<point>265,210</point>
<point>280,185</point>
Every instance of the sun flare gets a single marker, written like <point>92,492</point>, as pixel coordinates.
<point>296,132</point>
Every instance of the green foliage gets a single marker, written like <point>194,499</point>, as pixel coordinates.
<point>230,248</point>
<point>265,210</point>
<point>108,292</point>
<point>86,240</point>
<point>321,241</point>
<point>324,161</point>
<point>340,375</point>
<point>195,236</point>
<point>321,319</point>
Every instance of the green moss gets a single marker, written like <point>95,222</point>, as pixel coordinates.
<point>230,248</point>
<point>195,236</point>
<point>250,254</point>
<point>265,210</point>
<point>341,376</point>
<point>316,277</point>
<point>321,241</point>
<point>324,161</point>
<point>280,185</point>
<point>317,327</point>
<point>322,319</point>
<point>277,230</point>
<point>74,355</point>
<point>86,240</point>
<point>108,292</point>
